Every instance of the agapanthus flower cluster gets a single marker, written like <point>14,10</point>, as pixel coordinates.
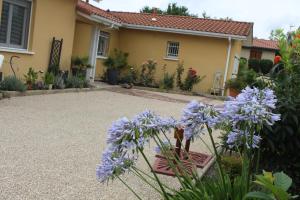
<point>253,106</point>
<point>126,138</point>
<point>196,116</point>
<point>249,111</point>
<point>238,138</point>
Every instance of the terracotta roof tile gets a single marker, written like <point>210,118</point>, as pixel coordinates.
<point>265,44</point>
<point>92,10</point>
<point>171,21</point>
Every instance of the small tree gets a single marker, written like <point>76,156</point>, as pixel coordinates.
<point>277,34</point>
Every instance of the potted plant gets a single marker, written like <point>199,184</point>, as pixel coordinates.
<point>115,63</point>
<point>49,80</point>
<point>234,86</point>
<point>80,66</point>
<point>31,78</point>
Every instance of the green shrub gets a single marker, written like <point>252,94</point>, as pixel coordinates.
<point>281,143</point>
<point>31,76</point>
<point>254,64</point>
<point>235,83</point>
<point>49,78</point>
<point>130,77</point>
<point>266,66</point>
<point>59,82</point>
<point>11,83</point>
<point>76,82</point>
<point>147,73</point>
<point>245,77</point>
<point>167,82</point>
<point>179,72</point>
<point>232,165</point>
<point>191,79</point>
<point>119,60</point>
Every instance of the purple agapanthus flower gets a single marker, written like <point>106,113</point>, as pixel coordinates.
<point>119,129</point>
<point>253,106</point>
<point>239,137</point>
<point>195,116</point>
<point>113,163</point>
<point>148,121</point>
<point>126,138</point>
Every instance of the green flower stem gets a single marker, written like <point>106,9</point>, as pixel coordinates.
<point>156,177</point>
<point>257,160</point>
<point>147,175</point>
<point>130,188</point>
<point>178,162</point>
<point>145,180</point>
<point>160,143</point>
<point>217,156</point>
<point>174,167</point>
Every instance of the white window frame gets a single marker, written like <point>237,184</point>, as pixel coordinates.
<point>172,50</point>
<point>27,4</point>
<point>106,36</point>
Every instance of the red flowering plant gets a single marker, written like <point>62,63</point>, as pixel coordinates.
<point>277,59</point>
<point>191,80</point>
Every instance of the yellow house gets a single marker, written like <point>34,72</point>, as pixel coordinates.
<point>207,45</point>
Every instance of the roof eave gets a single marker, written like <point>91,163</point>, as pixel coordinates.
<point>183,31</point>
<point>105,21</point>
<point>262,48</point>
<point>99,19</point>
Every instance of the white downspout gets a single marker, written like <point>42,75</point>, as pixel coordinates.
<point>227,65</point>
<point>93,53</point>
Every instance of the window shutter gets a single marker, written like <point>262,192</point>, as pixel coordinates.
<point>17,25</point>
<point>4,22</point>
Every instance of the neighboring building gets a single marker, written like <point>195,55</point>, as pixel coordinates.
<point>207,45</point>
<point>260,49</point>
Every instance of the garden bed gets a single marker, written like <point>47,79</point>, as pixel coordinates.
<point>180,92</point>
<point>9,94</point>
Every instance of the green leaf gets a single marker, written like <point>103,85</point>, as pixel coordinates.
<point>282,180</point>
<point>258,195</point>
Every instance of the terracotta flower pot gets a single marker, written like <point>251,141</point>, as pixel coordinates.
<point>233,92</point>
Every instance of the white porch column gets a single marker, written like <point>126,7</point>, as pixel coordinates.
<point>90,75</point>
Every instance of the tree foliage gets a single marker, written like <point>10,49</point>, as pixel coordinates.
<point>277,34</point>
<point>281,143</point>
<point>172,9</point>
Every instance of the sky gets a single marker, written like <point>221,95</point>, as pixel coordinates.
<point>266,14</point>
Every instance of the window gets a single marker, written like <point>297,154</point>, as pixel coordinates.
<point>255,54</point>
<point>14,25</point>
<point>103,44</point>
<point>172,49</point>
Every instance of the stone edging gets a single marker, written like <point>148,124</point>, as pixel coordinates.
<point>9,94</point>
<point>180,92</point>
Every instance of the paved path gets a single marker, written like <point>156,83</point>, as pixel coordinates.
<point>50,144</point>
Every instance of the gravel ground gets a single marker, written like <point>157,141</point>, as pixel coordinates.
<point>50,144</point>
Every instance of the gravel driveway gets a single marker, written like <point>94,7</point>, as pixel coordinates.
<point>50,144</point>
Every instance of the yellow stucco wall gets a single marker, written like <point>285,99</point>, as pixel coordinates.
<point>114,43</point>
<point>82,39</point>
<point>55,18</point>
<point>206,55</point>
